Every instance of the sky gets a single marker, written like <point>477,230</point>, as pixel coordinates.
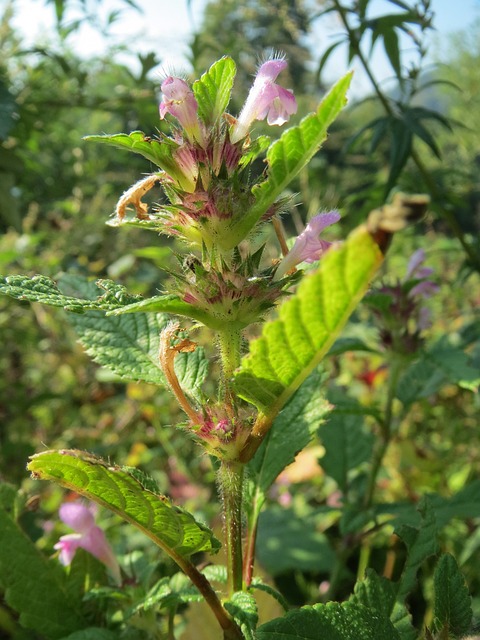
<point>165,26</point>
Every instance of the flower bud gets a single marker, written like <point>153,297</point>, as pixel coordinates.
<point>178,100</point>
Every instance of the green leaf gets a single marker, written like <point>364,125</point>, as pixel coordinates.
<point>157,151</point>
<point>169,593</point>
<point>286,542</point>
<point>167,304</point>
<point>452,608</point>
<point>379,594</point>
<point>421,544</point>
<point>106,294</point>
<point>400,149</point>
<point>292,430</point>
<point>390,43</point>
<point>129,345</point>
<point>243,608</point>
<point>34,586</point>
<point>402,621</point>
<point>262,586</point>
<point>287,156</point>
<point>171,528</point>
<point>376,593</point>
<point>444,363</point>
<point>7,110</point>
<point>333,621</point>
<point>213,90</point>
<point>347,445</point>
<point>291,346</point>
<point>92,633</point>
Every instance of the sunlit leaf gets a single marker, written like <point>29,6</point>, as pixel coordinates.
<point>171,528</point>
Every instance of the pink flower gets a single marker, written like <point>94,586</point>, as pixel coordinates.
<point>265,100</point>
<point>79,517</point>
<point>308,247</point>
<point>415,271</point>
<point>178,100</point>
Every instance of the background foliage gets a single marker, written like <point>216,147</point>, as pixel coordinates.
<point>324,522</point>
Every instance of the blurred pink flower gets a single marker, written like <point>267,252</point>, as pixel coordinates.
<point>308,247</point>
<point>265,100</point>
<point>416,271</point>
<point>80,517</point>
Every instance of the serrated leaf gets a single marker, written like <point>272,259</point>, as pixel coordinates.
<point>379,594</point>
<point>452,608</point>
<point>243,607</point>
<point>169,593</point>
<point>287,156</point>
<point>262,586</point>
<point>107,294</point>
<point>333,621</point>
<point>34,585</point>
<point>129,345</point>
<point>288,542</point>
<point>157,151</point>
<point>292,430</point>
<point>167,304</point>
<point>376,593</point>
<point>213,90</point>
<point>171,528</point>
<point>402,621</point>
<point>347,445</point>
<point>421,543</point>
<point>444,363</point>
<point>291,346</point>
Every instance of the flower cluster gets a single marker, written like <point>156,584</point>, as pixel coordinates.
<point>400,307</point>
<point>207,156</point>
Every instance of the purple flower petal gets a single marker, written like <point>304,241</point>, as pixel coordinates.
<point>89,536</point>
<point>77,515</point>
<point>308,247</point>
<point>265,100</point>
<point>68,545</point>
<point>179,101</point>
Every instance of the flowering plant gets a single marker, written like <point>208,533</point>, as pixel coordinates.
<point>268,401</point>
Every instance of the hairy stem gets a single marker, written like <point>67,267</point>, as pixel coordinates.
<point>230,476</point>
<point>229,340</point>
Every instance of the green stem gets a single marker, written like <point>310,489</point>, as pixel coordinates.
<point>426,175</point>
<point>385,430</point>
<point>230,341</point>
<point>230,477</point>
